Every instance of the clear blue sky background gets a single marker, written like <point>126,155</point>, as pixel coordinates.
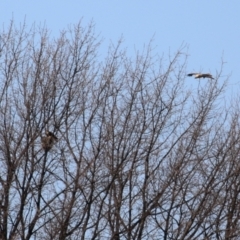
<point>210,28</point>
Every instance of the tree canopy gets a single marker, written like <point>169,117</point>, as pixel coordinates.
<point>137,153</point>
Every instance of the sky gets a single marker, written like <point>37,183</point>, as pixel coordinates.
<point>209,28</point>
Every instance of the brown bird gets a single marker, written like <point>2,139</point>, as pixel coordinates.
<point>48,141</point>
<point>200,75</point>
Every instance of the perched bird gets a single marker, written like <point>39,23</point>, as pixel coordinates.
<point>48,141</point>
<point>200,75</point>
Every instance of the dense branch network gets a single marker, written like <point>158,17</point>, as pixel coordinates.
<point>135,151</point>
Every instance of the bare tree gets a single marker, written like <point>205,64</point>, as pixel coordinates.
<point>117,149</point>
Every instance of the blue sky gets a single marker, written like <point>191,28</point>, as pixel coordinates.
<point>210,28</point>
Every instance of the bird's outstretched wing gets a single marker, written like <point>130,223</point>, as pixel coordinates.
<point>200,75</point>
<point>207,75</point>
<point>192,74</point>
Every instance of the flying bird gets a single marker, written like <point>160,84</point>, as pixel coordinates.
<point>201,75</point>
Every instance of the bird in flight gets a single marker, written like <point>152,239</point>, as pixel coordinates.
<point>201,75</point>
